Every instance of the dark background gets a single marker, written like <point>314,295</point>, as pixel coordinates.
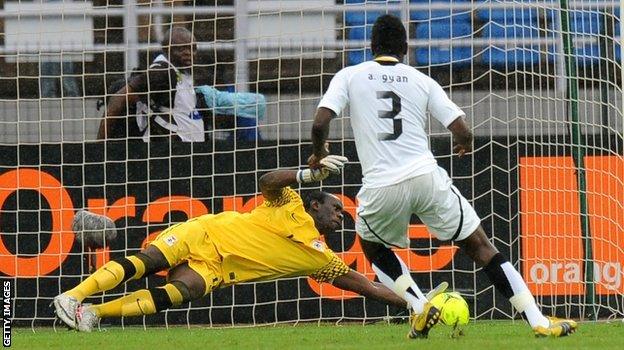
<point>210,171</point>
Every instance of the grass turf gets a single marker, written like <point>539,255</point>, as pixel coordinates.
<point>478,335</point>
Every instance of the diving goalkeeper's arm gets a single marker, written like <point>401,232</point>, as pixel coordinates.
<point>356,282</point>
<point>272,183</point>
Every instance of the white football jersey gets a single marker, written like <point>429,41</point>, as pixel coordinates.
<point>388,105</point>
<point>189,124</point>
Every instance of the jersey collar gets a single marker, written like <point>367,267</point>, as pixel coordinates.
<point>386,59</point>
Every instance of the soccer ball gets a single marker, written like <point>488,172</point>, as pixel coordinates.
<point>453,308</point>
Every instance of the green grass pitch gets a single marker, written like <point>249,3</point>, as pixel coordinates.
<point>480,335</point>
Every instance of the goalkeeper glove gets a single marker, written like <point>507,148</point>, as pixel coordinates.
<point>332,164</point>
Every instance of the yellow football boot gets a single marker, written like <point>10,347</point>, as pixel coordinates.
<point>422,323</point>
<point>558,328</point>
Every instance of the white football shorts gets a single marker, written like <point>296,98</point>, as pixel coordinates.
<point>384,213</point>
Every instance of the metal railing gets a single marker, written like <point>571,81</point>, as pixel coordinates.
<point>131,11</point>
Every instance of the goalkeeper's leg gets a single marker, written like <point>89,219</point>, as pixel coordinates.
<point>118,271</point>
<point>509,282</point>
<point>113,273</point>
<point>184,285</point>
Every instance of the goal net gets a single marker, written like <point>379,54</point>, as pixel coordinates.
<point>540,82</point>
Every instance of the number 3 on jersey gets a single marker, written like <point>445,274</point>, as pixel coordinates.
<point>396,109</point>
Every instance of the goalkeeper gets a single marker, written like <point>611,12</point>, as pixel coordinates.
<point>280,238</point>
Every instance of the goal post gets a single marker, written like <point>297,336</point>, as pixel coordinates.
<point>540,82</point>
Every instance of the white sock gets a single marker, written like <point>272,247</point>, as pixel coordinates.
<point>413,286</point>
<point>416,302</point>
<point>523,300</point>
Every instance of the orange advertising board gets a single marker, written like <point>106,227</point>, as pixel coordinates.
<point>552,243</point>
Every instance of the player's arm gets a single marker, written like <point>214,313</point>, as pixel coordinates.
<point>461,135</point>
<point>333,102</point>
<point>356,282</point>
<point>272,183</point>
<point>116,109</point>
<point>451,116</point>
<point>320,131</point>
<point>155,79</point>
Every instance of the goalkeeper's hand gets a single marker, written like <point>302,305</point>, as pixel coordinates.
<point>331,164</point>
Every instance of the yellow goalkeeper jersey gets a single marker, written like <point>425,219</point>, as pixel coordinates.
<point>275,240</point>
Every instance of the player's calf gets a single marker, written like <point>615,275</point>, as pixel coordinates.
<point>143,302</point>
<point>394,274</point>
<point>504,277</point>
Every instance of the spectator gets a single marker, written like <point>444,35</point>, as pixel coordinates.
<point>163,97</point>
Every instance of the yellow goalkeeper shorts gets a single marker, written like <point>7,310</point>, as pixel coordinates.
<point>188,242</point>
